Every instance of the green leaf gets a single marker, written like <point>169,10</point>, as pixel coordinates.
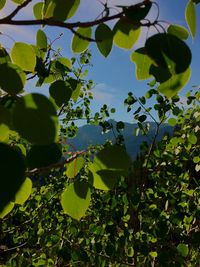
<point>125,33</point>
<point>4,56</point>
<point>130,252</point>
<point>61,92</point>
<point>59,9</point>
<point>172,122</point>
<point>142,118</point>
<point>169,52</point>
<point>7,209</point>
<point>76,92</point>
<point>24,56</point>
<point>172,86</point>
<point>2,4</point>
<point>35,119</point>
<point>180,31</point>
<point>12,168</point>
<point>183,250</point>
<point>75,200</point>
<point>109,164</point>
<point>5,122</point>
<point>190,16</point>
<point>143,63</point>
<point>104,37</point>
<point>192,139</point>
<point>153,254</point>
<point>19,2</point>
<point>79,45</point>
<point>12,78</point>
<point>196,159</point>
<point>137,13</point>
<point>65,62</point>
<point>41,40</point>
<point>24,192</point>
<point>74,167</point>
<point>37,10</point>
<point>43,155</point>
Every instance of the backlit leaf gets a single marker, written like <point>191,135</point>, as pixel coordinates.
<point>4,56</point>
<point>180,31</point>
<point>2,4</point>
<point>125,33</point>
<point>43,155</point>
<point>74,167</point>
<point>24,192</point>
<point>5,121</point>
<point>65,61</point>
<point>79,44</point>
<point>172,121</point>
<point>24,56</point>
<point>172,86</point>
<point>75,200</point>
<point>35,119</point>
<point>18,1</point>
<point>59,9</point>
<point>76,92</point>
<point>37,10</point>
<point>12,168</point>
<point>109,164</point>
<point>105,36</point>
<point>192,139</point>
<point>41,40</point>
<point>142,62</point>
<point>7,209</point>
<point>190,16</point>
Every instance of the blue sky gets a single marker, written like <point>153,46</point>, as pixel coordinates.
<point>115,75</point>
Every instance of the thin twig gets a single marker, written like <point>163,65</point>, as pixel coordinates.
<point>13,248</point>
<point>20,7</point>
<point>57,165</point>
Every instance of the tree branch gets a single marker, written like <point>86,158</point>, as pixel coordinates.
<point>70,25</point>
<point>59,164</point>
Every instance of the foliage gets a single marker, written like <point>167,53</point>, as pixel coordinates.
<point>149,214</point>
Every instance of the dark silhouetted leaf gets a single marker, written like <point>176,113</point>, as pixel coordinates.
<point>12,168</point>
<point>61,92</point>
<point>43,156</point>
<point>12,78</point>
<point>105,36</point>
<point>34,117</point>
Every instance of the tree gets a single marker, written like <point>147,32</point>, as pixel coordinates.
<point>31,134</point>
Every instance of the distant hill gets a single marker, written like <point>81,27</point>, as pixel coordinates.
<point>92,135</point>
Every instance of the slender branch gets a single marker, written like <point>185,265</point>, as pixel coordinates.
<point>59,164</point>
<point>69,25</point>
<point>144,108</point>
<point>154,141</point>
<point>84,37</point>
<point>13,248</point>
<point>20,7</point>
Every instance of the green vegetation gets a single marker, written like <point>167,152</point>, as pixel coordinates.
<point>97,207</point>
